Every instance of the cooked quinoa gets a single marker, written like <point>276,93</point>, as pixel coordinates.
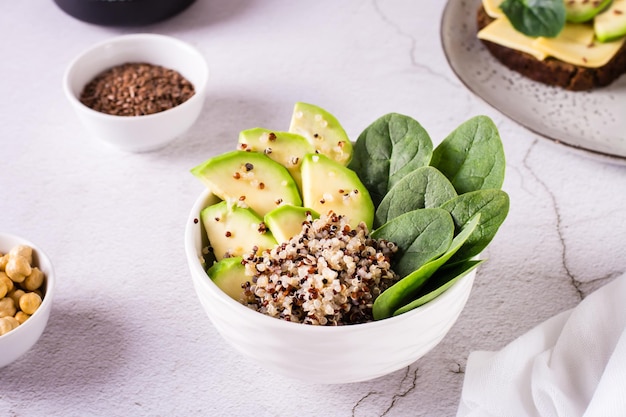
<point>329,274</point>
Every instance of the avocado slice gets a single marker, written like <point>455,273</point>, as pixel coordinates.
<point>610,25</point>
<point>286,148</point>
<point>285,222</point>
<point>229,275</point>
<point>251,179</point>
<point>233,230</point>
<point>322,130</point>
<point>579,11</point>
<point>327,185</point>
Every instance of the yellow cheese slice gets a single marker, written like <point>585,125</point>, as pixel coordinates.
<point>579,48</point>
<point>578,33</point>
<point>492,7</point>
<point>501,31</point>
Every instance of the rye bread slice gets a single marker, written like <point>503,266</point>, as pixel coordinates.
<point>552,71</point>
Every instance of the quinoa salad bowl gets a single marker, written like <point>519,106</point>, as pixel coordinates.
<point>334,354</point>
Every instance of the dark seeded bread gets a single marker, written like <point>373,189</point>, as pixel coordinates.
<point>551,71</point>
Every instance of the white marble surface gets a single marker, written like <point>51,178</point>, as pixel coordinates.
<point>127,335</point>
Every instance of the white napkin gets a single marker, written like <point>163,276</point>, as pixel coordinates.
<point>573,364</point>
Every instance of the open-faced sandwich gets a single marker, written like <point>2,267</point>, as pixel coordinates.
<point>573,44</point>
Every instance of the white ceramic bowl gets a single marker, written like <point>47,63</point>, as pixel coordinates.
<point>19,340</point>
<point>321,354</point>
<point>138,133</point>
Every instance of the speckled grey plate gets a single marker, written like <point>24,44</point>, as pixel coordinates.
<point>594,122</point>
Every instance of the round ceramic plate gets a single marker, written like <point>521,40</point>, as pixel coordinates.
<point>594,121</point>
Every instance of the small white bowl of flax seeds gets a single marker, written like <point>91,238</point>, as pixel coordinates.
<point>137,92</point>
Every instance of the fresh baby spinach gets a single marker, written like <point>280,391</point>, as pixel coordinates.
<point>536,17</point>
<point>439,282</point>
<point>425,187</point>
<point>421,235</point>
<point>410,181</point>
<point>403,291</point>
<point>493,207</point>
<point>387,150</point>
<point>472,156</point>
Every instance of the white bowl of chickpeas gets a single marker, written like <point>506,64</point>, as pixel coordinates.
<point>26,290</point>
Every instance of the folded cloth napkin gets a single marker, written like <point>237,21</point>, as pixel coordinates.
<point>573,364</point>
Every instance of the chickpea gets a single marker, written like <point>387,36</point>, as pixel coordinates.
<point>18,268</point>
<point>22,250</point>
<point>34,280</point>
<point>7,281</point>
<point>21,287</point>
<point>7,324</point>
<point>7,307</point>
<point>21,317</point>
<point>15,295</point>
<point>29,302</point>
<point>13,321</point>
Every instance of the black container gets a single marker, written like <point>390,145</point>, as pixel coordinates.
<point>122,12</point>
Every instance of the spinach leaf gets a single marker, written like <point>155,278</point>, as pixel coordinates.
<point>472,156</point>
<point>441,280</point>
<point>421,235</point>
<point>493,206</point>
<point>388,149</point>
<point>536,17</point>
<point>403,291</point>
<point>425,187</point>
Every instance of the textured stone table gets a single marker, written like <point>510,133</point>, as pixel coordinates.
<point>127,335</point>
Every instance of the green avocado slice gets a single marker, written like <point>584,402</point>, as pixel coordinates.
<point>579,11</point>
<point>329,186</point>
<point>610,25</point>
<point>286,148</point>
<point>285,222</point>
<point>322,130</point>
<point>249,179</point>
<point>229,275</point>
<point>233,231</point>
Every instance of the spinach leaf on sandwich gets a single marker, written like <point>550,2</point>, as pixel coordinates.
<point>536,17</point>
